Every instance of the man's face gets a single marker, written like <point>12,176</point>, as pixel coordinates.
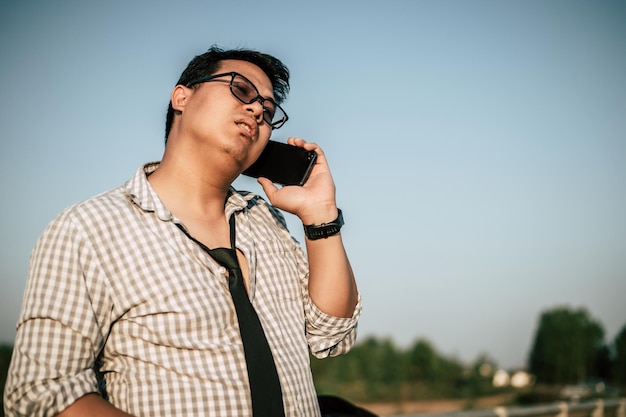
<point>212,117</point>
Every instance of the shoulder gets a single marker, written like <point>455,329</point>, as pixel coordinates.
<point>82,216</point>
<point>93,208</point>
<point>259,208</point>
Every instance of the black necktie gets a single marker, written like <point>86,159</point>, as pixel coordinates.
<point>267,398</point>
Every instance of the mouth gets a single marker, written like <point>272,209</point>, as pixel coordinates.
<point>247,127</point>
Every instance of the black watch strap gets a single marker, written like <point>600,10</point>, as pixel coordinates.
<point>324,230</point>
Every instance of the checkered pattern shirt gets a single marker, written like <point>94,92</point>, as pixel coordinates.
<point>120,301</point>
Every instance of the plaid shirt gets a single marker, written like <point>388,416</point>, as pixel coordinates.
<point>115,285</point>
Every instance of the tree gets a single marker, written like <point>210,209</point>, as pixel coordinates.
<point>5,359</point>
<point>566,347</point>
<point>431,374</point>
<point>424,363</point>
<point>376,370</point>
<point>479,377</point>
<point>373,370</point>
<point>620,357</point>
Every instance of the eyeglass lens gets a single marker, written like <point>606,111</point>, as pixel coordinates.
<point>247,93</point>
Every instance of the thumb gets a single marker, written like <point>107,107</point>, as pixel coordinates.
<point>268,187</point>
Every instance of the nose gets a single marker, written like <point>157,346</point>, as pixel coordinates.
<point>256,108</point>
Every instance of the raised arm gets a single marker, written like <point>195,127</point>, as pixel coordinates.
<point>332,286</point>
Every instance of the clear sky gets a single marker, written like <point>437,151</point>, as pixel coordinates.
<point>478,147</point>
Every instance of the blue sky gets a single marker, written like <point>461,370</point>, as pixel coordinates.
<point>478,146</point>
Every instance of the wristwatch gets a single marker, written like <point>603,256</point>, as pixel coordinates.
<point>324,230</point>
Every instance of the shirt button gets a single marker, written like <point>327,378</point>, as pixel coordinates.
<point>222,270</point>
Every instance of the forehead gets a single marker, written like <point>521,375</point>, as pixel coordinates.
<point>251,72</point>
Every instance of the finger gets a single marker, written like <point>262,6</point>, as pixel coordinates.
<point>268,187</point>
<point>301,143</point>
<point>309,146</point>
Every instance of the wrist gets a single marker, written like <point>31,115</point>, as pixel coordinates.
<point>326,229</point>
<point>319,215</point>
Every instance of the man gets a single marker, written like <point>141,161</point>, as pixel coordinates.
<point>125,311</point>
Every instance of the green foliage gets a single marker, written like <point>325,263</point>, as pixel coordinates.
<point>619,368</point>
<point>5,359</point>
<point>377,370</point>
<point>371,370</point>
<point>567,346</point>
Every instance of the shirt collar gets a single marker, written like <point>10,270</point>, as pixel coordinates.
<point>141,193</point>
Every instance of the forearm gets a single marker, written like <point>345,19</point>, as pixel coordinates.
<point>331,282</point>
<point>332,286</point>
<point>92,405</point>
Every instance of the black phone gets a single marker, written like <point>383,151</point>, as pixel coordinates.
<point>283,164</point>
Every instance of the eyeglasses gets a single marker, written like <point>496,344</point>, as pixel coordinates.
<point>247,93</point>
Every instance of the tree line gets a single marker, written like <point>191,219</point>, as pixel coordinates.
<point>568,346</point>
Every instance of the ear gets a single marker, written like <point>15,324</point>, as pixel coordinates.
<point>180,95</point>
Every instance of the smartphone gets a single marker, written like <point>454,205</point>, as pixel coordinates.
<point>283,164</point>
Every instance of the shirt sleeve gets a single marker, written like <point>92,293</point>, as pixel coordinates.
<point>326,335</point>
<point>59,333</point>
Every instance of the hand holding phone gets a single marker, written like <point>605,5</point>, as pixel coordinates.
<point>283,164</point>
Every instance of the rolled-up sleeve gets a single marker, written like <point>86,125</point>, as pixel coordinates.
<point>328,335</point>
<point>59,332</point>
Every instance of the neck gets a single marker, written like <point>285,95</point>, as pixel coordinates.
<point>191,186</point>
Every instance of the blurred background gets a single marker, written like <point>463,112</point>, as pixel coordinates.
<point>478,149</point>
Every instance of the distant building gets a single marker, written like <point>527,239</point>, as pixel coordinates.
<point>518,379</point>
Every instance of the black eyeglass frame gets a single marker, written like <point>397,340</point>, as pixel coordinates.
<point>275,125</point>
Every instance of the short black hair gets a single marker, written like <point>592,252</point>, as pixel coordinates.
<point>209,62</point>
